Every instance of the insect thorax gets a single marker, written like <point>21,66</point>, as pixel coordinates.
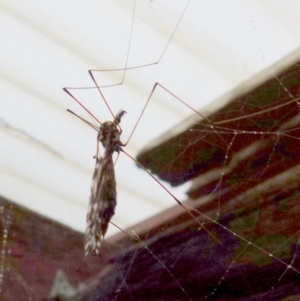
<point>109,136</point>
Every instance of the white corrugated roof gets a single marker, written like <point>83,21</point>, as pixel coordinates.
<point>46,155</point>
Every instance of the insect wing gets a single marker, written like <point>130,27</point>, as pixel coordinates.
<point>102,203</point>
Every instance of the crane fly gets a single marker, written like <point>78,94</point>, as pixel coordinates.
<point>103,197</point>
<point>102,200</point>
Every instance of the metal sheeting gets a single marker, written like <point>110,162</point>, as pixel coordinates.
<point>46,155</point>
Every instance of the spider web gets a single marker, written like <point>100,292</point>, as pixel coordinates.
<point>244,150</point>
<point>244,197</point>
<point>241,181</point>
<point>243,241</point>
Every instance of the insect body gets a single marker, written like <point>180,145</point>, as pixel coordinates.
<point>103,198</point>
